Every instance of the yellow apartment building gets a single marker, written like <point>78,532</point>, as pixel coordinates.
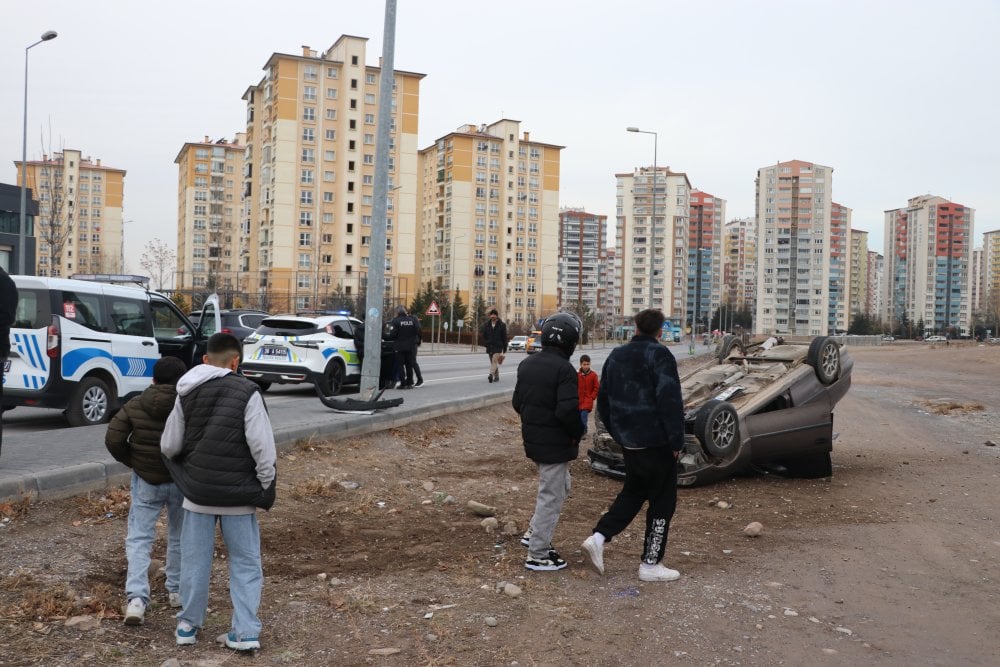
<point>79,228</point>
<point>209,186</point>
<point>489,219</point>
<point>308,185</point>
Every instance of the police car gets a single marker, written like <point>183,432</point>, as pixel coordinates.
<point>291,349</point>
<point>86,347</point>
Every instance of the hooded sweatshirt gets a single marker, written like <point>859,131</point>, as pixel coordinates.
<point>256,427</point>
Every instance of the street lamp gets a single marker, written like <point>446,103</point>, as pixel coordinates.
<point>22,231</point>
<point>652,220</point>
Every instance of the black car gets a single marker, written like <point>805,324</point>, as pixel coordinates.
<point>241,322</point>
<point>767,405</point>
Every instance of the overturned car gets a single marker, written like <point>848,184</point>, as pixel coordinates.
<point>766,406</point>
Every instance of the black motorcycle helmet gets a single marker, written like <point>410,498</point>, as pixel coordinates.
<point>562,330</point>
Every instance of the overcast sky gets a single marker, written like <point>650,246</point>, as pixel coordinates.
<point>900,97</point>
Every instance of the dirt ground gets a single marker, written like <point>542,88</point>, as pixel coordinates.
<point>895,560</point>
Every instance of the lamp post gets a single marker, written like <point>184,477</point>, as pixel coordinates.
<point>22,230</point>
<point>454,287</point>
<point>652,219</point>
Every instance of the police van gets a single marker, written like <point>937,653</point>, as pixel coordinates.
<point>87,347</point>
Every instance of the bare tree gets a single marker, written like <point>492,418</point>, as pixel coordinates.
<point>158,260</point>
<point>55,218</point>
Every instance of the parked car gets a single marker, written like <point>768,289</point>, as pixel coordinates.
<point>769,406</point>
<point>325,351</point>
<point>888,339</point>
<point>85,347</point>
<point>534,342</point>
<point>517,343</point>
<point>935,339</point>
<point>241,322</point>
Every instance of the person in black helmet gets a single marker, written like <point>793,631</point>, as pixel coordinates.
<point>405,331</point>
<point>546,398</point>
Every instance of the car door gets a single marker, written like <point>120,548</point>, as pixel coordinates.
<point>176,336</point>
<point>792,431</point>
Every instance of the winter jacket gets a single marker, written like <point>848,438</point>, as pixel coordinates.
<point>589,384</point>
<point>640,396</point>
<point>494,337</point>
<point>219,444</point>
<point>545,397</point>
<point>405,333</point>
<point>133,436</point>
<point>8,311</point>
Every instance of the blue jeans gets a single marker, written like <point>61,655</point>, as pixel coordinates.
<point>147,501</point>
<point>585,417</point>
<point>246,577</point>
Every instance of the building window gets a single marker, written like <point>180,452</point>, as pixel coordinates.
<point>369,119</point>
<point>330,135</point>
<point>309,93</point>
<point>329,156</point>
<point>308,134</point>
<point>305,239</point>
<point>331,72</point>
<point>331,93</point>
<point>370,78</point>
<point>308,155</point>
<point>331,114</point>
<point>307,176</point>
<point>309,113</point>
<point>369,98</point>
<point>306,218</point>
<point>304,260</point>
<point>306,197</point>
<point>327,197</point>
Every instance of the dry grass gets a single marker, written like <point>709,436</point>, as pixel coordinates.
<point>318,487</point>
<point>948,406</point>
<point>112,502</point>
<point>15,509</point>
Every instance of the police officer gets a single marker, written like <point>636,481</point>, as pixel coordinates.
<point>405,333</point>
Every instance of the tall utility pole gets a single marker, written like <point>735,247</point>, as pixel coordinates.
<point>652,220</point>
<point>375,294</point>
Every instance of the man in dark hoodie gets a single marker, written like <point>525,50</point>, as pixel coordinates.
<point>219,448</point>
<point>8,311</point>
<point>641,405</point>
<point>546,398</point>
<point>133,438</point>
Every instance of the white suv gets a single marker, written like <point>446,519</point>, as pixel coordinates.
<point>289,349</point>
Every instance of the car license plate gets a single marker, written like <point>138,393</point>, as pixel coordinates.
<point>274,353</point>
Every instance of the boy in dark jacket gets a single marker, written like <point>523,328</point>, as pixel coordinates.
<point>133,438</point>
<point>545,397</point>
<point>640,403</point>
<point>220,450</point>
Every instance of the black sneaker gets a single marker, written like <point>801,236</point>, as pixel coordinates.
<point>419,382</point>
<point>551,562</point>
<point>490,378</point>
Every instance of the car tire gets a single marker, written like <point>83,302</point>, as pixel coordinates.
<point>717,427</point>
<point>264,386</point>
<point>729,346</point>
<point>333,379</point>
<point>824,357</point>
<point>91,403</point>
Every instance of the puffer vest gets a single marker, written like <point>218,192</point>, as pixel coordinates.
<point>215,467</point>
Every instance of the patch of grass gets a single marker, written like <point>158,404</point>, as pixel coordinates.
<point>15,509</point>
<point>947,407</point>
<point>317,487</point>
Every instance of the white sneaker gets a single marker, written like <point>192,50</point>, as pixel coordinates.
<point>135,612</point>
<point>594,554</point>
<point>657,573</point>
<point>174,599</point>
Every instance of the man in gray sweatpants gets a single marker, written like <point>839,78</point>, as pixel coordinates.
<point>547,400</point>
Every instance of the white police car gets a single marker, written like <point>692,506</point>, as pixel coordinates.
<point>291,349</point>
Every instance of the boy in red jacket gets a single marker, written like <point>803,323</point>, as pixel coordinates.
<point>588,384</point>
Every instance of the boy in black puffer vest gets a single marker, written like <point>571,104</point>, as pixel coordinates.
<point>219,448</point>
<point>133,438</point>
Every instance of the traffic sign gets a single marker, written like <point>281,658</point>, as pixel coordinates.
<point>433,309</point>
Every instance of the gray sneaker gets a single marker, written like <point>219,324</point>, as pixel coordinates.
<point>135,612</point>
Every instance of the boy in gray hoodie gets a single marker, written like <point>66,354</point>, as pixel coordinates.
<point>219,448</point>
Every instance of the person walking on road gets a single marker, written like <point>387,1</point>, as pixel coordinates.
<point>8,313</point>
<point>546,398</point>
<point>640,403</point>
<point>133,438</point>
<point>219,447</point>
<point>494,335</point>
<point>405,333</point>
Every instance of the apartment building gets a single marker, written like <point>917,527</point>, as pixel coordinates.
<point>582,260</point>
<point>79,228</point>
<point>210,254</point>
<point>990,297</point>
<point>977,283</point>
<point>704,258</point>
<point>611,288</point>
<point>927,265</point>
<point>857,281</point>
<point>651,238</point>
<point>876,275</point>
<point>489,219</point>
<point>309,173</point>
<point>839,249</point>
<point>794,208</point>
<point>739,270</point>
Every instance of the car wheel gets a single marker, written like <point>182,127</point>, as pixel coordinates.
<point>717,427</point>
<point>729,346</point>
<point>824,357</point>
<point>90,403</point>
<point>333,379</point>
<point>264,386</point>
